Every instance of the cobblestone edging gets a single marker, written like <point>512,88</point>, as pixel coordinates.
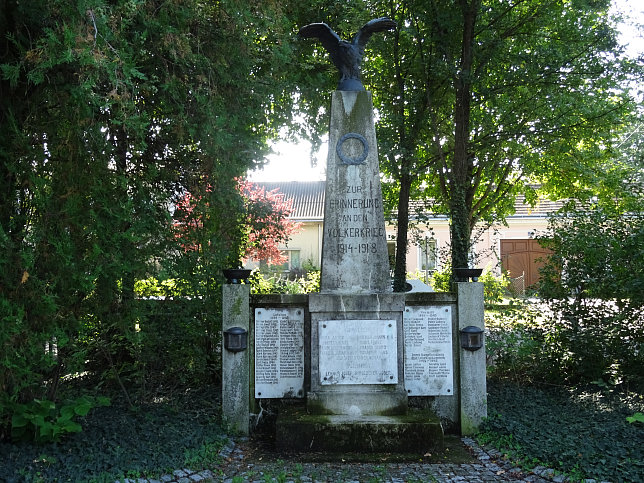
<point>177,476</point>
<point>537,474</point>
<point>187,475</point>
<point>491,467</point>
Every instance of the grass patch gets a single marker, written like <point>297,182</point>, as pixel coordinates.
<point>583,433</point>
<point>120,442</point>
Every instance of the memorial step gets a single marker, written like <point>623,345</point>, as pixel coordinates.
<point>418,431</point>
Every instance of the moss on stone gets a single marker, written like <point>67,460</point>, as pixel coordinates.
<point>416,430</point>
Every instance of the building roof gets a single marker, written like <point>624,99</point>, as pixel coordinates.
<point>307,196</point>
<point>542,209</point>
<point>308,201</point>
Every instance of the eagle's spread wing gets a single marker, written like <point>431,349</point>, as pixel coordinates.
<point>323,32</point>
<point>376,25</point>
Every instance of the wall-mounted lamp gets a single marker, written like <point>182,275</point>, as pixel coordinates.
<point>235,339</point>
<point>471,338</point>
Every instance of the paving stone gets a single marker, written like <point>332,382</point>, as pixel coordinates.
<point>548,472</point>
<point>489,468</point>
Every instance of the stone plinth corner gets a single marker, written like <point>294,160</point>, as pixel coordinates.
<point>473,386</point>
<point>235,386</point>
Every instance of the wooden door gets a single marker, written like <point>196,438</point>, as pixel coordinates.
<point>523,257</point>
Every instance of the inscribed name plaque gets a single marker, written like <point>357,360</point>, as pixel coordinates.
<point>279,352</point>
<point>358,352</point>
<point>429,369</point>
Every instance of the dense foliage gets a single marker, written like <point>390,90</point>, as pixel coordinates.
<point>593,285</point>
<point>479,100</point>
<point>110,112</point>
<point>581,432</point>
<point>528,343</point>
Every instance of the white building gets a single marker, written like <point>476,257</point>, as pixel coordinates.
<point>511,248</point>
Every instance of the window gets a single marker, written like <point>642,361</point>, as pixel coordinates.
<point>427,254</point>
<point>292,262</point>
<point>294,259</point>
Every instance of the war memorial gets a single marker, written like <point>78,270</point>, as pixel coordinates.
<point>355,366</point>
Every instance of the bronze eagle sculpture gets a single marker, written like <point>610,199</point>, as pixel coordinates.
<point>347,56</point>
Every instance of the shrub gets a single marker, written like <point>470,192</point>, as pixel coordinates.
<point>44,421</point>
<point>515,341</point>
<point>529,342</point>
<point>266,284</point>
<point>593,285</point>
<point>589,326</point>
<point>442,280</point>
<point>494,287</point>
<point>179,342</point>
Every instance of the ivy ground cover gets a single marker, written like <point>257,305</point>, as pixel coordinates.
<point>583,432</point>
<point>167,433</point>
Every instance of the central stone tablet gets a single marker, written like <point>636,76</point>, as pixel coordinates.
<point>358,352</point>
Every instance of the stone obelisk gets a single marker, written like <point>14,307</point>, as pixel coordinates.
<point>354,244</point>
<point>356,320</point>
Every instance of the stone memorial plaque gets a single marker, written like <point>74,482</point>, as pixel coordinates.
<point>279,352</point>
<point>429,369</point>
<point>358,352</point>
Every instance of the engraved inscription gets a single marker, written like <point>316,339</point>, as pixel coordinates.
<point>358,352</point>
<point>354,240</point>
<point>279,352</point>
<point>428,351</point>
<point>354,232</point>
<point>354,203</point>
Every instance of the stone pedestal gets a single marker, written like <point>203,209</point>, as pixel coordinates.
<point>235,384</point>
<point>356,354</point>
<point>417,431</point>
<point>358,401</point>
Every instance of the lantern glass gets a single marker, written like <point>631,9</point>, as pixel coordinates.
<point>471,338</point>
<point>235,339</point>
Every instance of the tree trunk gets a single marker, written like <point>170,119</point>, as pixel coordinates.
<point>405,178</point>
<point>460,182</point>
<point>460,231</point>
<point>400,270</point>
